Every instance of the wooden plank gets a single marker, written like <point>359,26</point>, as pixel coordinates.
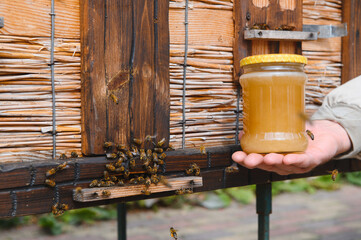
<point>127,94</point>
<point>31,18</point>
<point>351,44</point>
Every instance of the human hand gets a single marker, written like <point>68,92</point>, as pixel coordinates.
<point>330,140</point>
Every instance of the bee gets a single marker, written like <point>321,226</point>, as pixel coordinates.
<point>106,193</point>
<point>94,183</point>
<point>114,98</point>
<point>129,153</point>
<point>148,180</point>
<point>50,183</point>
<point>160,162</point>
<point>64,207</point>
<point>146,191</point>
<point>161,142</point>
<point>155,157</point>
<point>74,155</point>
<point>95,195</point>
<point>78,190</point>
<point>202,148</point>
<point>133,181</point>
<point>334,174</point>
<point>108,144</point>
<point>121,155</point>
<point>148,138</point>
<point>146,163</point>
<point>162,156</point>
<point>110,167</point>
<point>285,28</point>
<point>101,184</point>
<point>63,156</point>
<point>134,150</point>
<point>126,174</point>
<point>142,154</point>
<point>132,163</point>
<point>310,134</point>
<point>232,169</point>
<point>196,169</point>
<point>109,183</point>
<point>120,182</point>
<point>55,210</point>
<point>122,147</point>
<point>165,181</point>
<point>170,147</point>
<point>137,141</point>
<point>188,191</point>
<point>140,179</point>
<point>260,26</point>
<point>189,171</point>
<point>113,178</point>
<point>180,191</point>
<point>158,150</point>
<point>173,233</point>
<point>62,166</point>
<point>149,153</point>
<point>111,155</point>
<point>153,179</point>
<point>50,172</point>
<point>120,169</point>
<point>118,163</point>
<point>106,175</point>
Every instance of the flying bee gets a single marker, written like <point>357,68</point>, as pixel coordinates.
<point>137,141</point>
<point>149,153</point>
<point>132,163</point>
<point>106,193</point>
<point>285,28</point>
<point>162,156</point>
<point>110,167</point>
<point>202,148</point>
<point>111,155</point>
<point>62,166</point>
<point>334,174</point>
<point>161,142</point>
<point>158,150</point>
<point>142,154</point>
<point>74,155</point>
<point>310,134</point>
<point>173,233</point>
<point>50,183</point>
<point>94,183</point>
<point>165,181</point>
<point>108,145</point>
<point>114,98</point>
<point>50,172</point>
<point>146,191</point>
<point>63,156</point>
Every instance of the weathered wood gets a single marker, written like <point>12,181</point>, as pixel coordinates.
<point>351,44</point>
<point>126,76</point>
<point>96,194</point>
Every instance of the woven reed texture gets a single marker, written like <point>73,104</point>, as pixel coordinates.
<point>211,91</point>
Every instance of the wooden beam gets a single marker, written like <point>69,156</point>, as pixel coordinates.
<point>351,44</point>
<point>125,75</point>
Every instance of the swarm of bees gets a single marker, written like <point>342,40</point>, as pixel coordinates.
<point>264,26</point>
<point>123,159</point>
<point>193,170</point>
<point>58,209</point>
<point>173,233</point>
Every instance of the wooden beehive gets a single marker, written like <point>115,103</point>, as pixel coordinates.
<point>211,90</point>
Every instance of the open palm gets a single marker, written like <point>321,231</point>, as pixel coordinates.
<point>330,139</point>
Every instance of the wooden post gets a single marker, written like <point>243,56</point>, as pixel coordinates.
<point>125,71</point>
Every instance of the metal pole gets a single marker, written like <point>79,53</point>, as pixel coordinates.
<point>264,209</point>
<point>122,221</point>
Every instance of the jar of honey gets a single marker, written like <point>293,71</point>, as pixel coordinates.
<point>273,87</point>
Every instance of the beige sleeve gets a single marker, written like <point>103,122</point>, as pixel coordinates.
<point>343,105</point>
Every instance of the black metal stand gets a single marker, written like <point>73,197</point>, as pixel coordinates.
<point>122,221</point>
<point>264,209</point>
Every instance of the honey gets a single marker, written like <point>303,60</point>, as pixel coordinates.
<point>273,106</point>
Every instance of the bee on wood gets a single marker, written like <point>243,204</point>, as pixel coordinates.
<point>50,183</point>
<point>140,179</point>
<point>196,169</point>
<point>155,157</point>
<point>146,163</point>
<point>170,147</point>
<point>148,138</point>
<point>310,134</point>
<point>162,156</point>
<point>188,191</point>
<point>101,183</point>
<point>189,171</point>
<point>122,147</point>
<point>62,166</point>
<point>120,169</point>
<point>260,26</point>
<point>78,190</point>
<point>134,150</point>
<point>94,183</point>
<point>121,155</point>
<point>111,155</point>
<point>126,174</point>
<point>95,195</point>
<point>153,179</point>
<point>113,178</point>
<point>202,148</point>
<point>158,150</point>
<point>132,163</point>
<point>63,156</point>
<point>50,172</point>
<point>110,167</point>
<point>285,28</point>
<point>173,233</point>
<point>334,174</point>
<point>146,191</point>
<point>148,181</point>
<point>108,145</point>
<point>137,141</point>
<point>232,169</point>
<point>106,176</point>
<point>129,153</point>
<point>161,142</point>
<point>64,207</point>
<point>118,163</point>
<point>114,98</point>
<point>120,182</point>
<point>160,162</point>
<point>180,191</point>
<point>106,193</point>
<point>142,155</point>
<point>149,153</point>
<point>133,181</point>
<point>74,155</point>
<point>55,210</point>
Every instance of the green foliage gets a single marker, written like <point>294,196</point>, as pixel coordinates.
<point>244,195</point>
<point>50,224</point>
<point>354,178</point>
<point>13,222</point>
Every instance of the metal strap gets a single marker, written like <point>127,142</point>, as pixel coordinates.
<point>184,75</point>
<point>52,14</point>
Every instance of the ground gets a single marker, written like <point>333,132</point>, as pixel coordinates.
<point>324,215</point>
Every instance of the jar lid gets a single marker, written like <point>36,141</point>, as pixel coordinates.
<point>273,58</point>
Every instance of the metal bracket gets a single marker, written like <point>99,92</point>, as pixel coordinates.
<point>309,33</point>
<point>1,22</point>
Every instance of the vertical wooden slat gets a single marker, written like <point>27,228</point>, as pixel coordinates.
<point>127,95</point>
<point>351,44</point>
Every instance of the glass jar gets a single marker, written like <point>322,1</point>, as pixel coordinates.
<point>273,87</point>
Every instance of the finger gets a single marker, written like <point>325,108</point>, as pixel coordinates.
<point>253,160</point>
<point>299,160</point>
<point>273,158</point>
<point>277,170</point>
<point>240,135</point>
<point>239,157</point>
